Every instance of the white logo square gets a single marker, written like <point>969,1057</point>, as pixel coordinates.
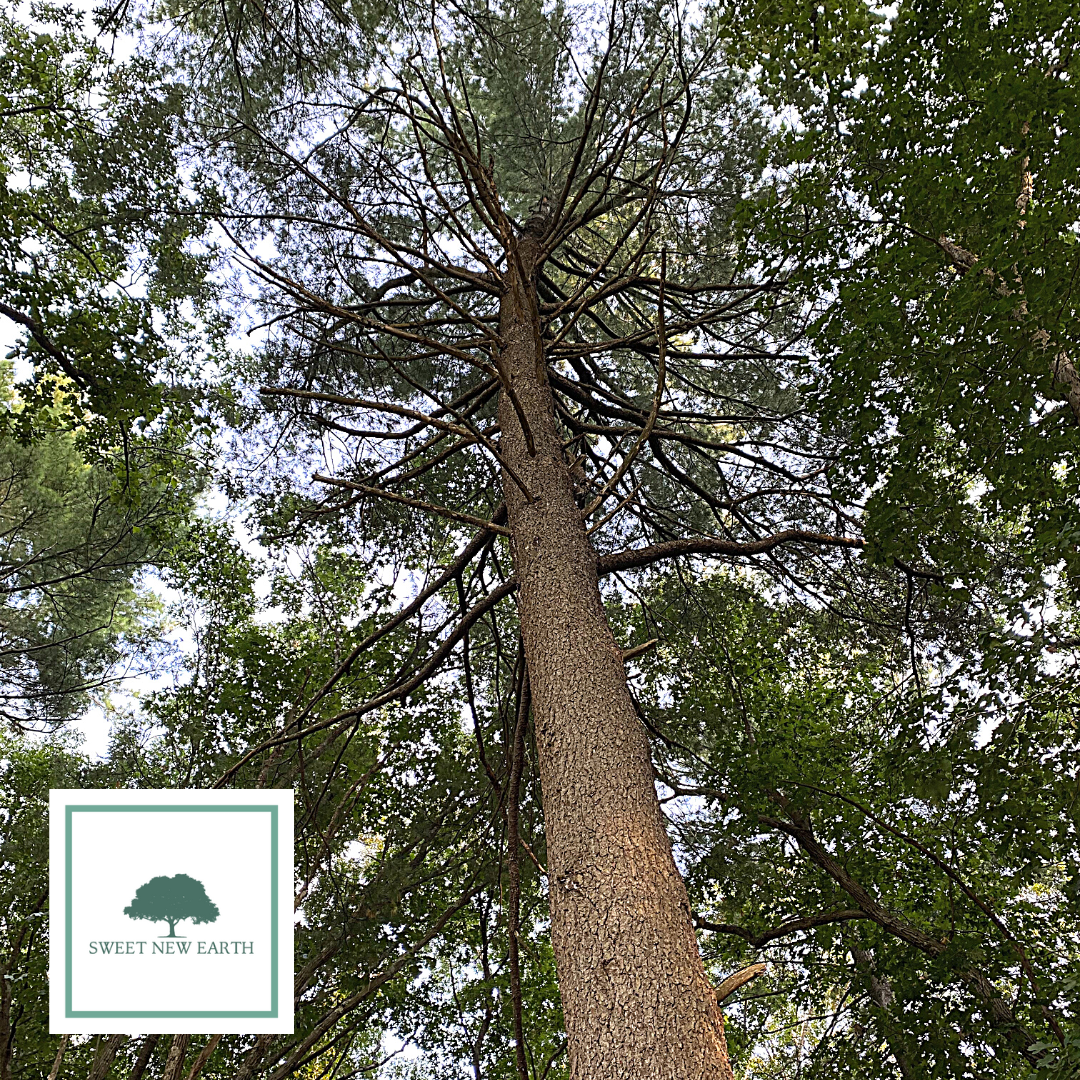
<point>170,911</point>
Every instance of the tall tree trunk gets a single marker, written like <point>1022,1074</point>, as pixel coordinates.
<point>637,1003</point>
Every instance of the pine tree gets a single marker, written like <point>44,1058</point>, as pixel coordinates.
<point>507,272</point>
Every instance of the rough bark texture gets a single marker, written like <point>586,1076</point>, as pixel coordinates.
<point>635,996</point>
<point>174,1064</point>
<point>105,1055</point>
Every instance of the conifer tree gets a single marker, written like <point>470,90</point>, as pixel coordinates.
<point>505,286</point>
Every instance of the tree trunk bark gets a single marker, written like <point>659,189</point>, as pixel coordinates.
<point>105,1056</point>
<point>635,997</point>
<point>5,1028</point>
<point>174,1064</point>
<point>143,1059</point>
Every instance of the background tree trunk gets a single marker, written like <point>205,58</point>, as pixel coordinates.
<point>174,1064</point>
<point>635,996</point>
<point>5,1028</point>
<point>145,1050</point>
<point>105,1056</point>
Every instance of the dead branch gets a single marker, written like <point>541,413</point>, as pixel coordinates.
<point>739,979</point>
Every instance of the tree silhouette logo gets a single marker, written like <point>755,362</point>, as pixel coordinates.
<point>171,899</point>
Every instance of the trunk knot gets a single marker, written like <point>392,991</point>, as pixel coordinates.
<point>536,224</point>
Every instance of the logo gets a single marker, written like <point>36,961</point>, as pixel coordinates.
<point>169,910</point>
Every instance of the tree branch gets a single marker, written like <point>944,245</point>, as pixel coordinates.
<point>431,508</point>
<point>634,558</point>
<point>739,979</point>
<point>792,926</point>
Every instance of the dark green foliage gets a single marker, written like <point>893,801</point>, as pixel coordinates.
<point>75,543</point>
<point>761,708</point>
<point>101,273</point>
<point>952,128</point>
<point>105,299</point>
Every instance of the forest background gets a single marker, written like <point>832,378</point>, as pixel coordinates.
<point>532,432</point>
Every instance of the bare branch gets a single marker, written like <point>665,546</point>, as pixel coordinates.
<point>708,545</point>
<point>739,979</point>
<point>431,508</point>
<point>792,926</point>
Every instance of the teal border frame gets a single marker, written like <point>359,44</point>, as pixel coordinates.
<point>153,808</point>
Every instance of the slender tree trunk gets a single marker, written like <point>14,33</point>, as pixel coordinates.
<point>882,996</point>
<point>204,1057</point>
<point>105,1056</point>
<point>145,1050</point>
<point>174,1063</point>
<point>637,1003</point>
<point>58,1060</point>
<point>5,1028</point>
